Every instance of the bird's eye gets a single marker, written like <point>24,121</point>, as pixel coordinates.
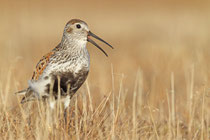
<point>78,26</point>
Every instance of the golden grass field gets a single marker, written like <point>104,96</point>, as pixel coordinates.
<point>155,84</point>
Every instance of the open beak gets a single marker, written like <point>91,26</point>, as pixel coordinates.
<point>95,36</point>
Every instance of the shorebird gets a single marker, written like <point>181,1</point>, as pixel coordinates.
<point>64,69</point>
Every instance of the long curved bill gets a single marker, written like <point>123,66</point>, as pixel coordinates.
<point>96,37</point>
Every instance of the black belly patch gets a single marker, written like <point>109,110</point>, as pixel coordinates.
<point>75,81</point>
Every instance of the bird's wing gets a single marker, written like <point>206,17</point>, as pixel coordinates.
<point>40,67</point>
<point>42,64</point>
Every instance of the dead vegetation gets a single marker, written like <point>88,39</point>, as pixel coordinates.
<point>154,85</point>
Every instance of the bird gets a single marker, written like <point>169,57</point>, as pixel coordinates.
<point>62,71</point>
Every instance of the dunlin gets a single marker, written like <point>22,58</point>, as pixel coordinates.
<point>64,69</point>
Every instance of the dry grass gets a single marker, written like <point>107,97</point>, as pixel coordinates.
<point>154,85</point>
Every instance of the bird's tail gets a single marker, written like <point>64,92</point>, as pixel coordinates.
<point>28,95</point>
<point>22,92</point>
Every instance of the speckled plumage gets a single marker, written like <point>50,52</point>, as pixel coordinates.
<point>69,61</point>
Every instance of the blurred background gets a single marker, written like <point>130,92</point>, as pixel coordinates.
<point>156,38</point>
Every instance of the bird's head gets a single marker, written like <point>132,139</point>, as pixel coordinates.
<point>78,31</point>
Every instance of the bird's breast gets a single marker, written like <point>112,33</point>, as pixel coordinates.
<point>72,64</point>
